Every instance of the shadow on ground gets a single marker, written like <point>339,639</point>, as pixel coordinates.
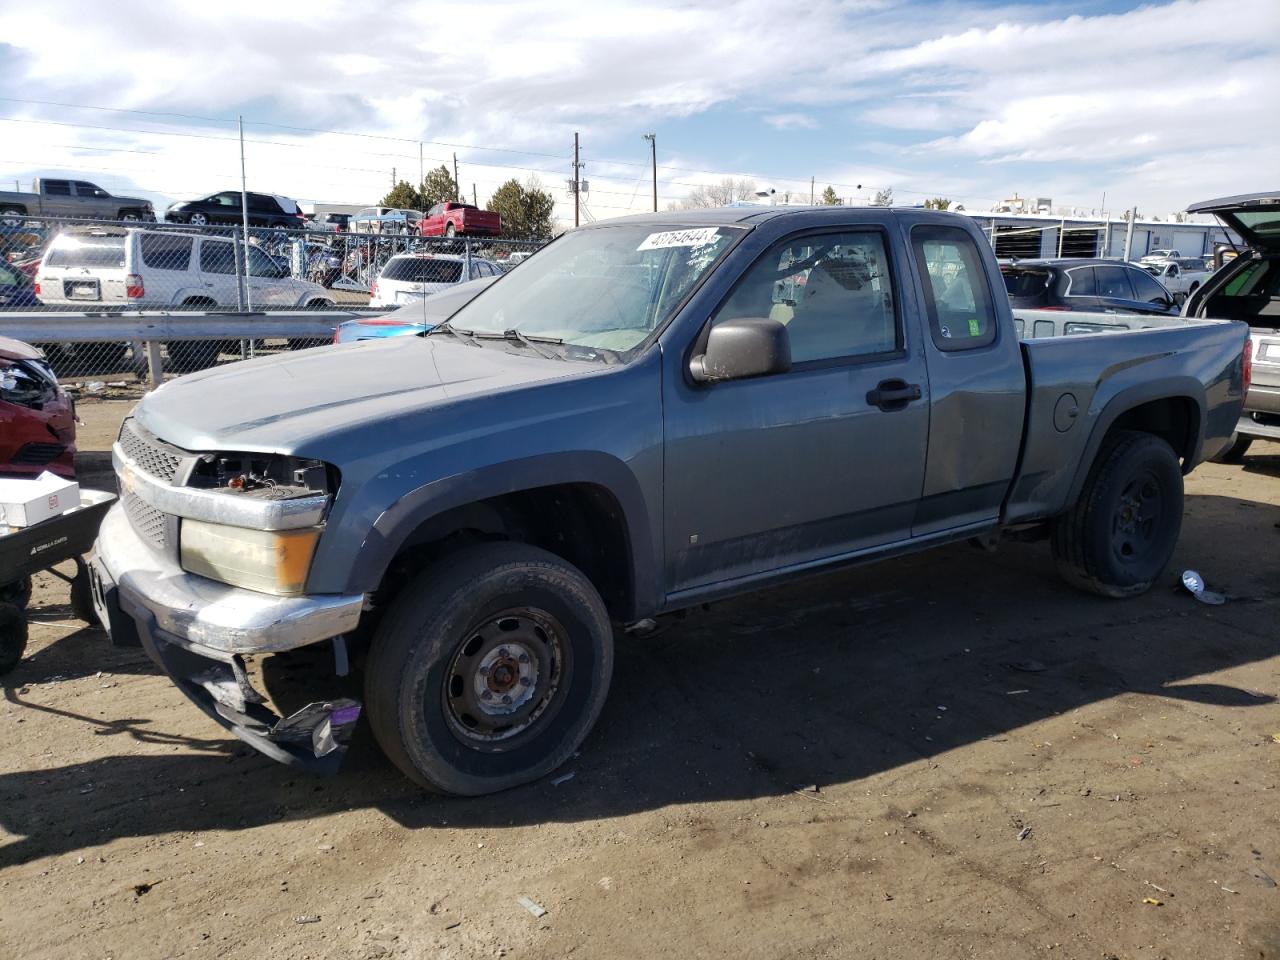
<point>824,682</point>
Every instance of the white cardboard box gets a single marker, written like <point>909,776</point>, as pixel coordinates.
<point>27,502</point>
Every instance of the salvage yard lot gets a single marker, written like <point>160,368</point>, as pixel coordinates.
<point>1003,767</point>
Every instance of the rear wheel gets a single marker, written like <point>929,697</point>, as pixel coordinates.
<point>12,217</point>
<point>1120,535</point>
<point>13,636</point>
<point>450,230</point>
<point>1235,450</point>
<point>17,593</point>
<point>489,669</point>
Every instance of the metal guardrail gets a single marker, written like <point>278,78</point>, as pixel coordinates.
<point>151,344</point>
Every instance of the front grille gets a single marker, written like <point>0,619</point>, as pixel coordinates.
<point>150,456</point>
<point>145,519</point>
<point>38,454</point>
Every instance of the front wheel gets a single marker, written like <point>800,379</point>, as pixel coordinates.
<point>13,636</point>
<point>198,220</point>
<point>1120,535</point>
<point>489,670</point>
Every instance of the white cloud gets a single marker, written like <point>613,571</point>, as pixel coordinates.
<point>1155,105</point>
<point>790,121</point>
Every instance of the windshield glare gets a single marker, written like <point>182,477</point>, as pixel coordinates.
<point>607,288</point>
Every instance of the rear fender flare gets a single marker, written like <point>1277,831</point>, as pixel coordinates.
<point>1170,388</point>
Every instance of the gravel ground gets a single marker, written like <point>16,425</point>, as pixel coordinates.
<point>948,755</point>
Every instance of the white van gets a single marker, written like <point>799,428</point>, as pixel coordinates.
<point>164,270</point>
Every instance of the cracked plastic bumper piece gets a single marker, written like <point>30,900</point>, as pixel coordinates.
<point>197,630</point>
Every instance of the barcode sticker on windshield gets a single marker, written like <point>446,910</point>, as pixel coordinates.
<point>680,238</point>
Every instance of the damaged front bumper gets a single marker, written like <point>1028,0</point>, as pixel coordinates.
<point>197,630</point>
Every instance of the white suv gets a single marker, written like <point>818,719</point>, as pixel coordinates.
<point>408,277</point>
<point>159,270</point>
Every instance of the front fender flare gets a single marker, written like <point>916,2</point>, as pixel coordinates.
<point>397,523</point>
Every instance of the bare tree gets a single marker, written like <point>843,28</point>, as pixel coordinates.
<point>884,198</point>
<point>729,190</point>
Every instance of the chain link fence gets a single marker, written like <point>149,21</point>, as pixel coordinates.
<point>133,269</point>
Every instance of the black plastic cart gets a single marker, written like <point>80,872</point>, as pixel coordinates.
<point>29,550</point>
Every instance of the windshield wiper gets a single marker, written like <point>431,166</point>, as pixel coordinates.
<point>515,336</point>
<point>446,327</point>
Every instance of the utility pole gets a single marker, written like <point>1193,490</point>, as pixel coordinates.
<point>244,219</point>
<point>1128,234</point>
<point>653,150</point>
<point>421,175</point>
<point>475,197</point>
<point>457,187</point>
<point>811,198</point>
<point>576,183</point>
<point>393,178</point>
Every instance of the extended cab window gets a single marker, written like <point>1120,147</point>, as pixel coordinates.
<point>161,252</point>
<point>58,188</point>
<point>832,292</point>
<point>956,293</point>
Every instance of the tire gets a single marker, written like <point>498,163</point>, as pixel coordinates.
<point>1235,450</point>
<point>1119,536</point>
<point>17,594</point>
<point>129,216</point>
<point>198,220</point>
<point>82,596</point>
<point>450,230</point>
<point>447,631</point>
<point>12,217</point>
<point>13,636</point>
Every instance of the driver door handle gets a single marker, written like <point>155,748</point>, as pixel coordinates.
<point>893,394</point>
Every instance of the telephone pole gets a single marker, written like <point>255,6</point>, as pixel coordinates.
<point>475,197</point>
<point>393,178</point>
<point>811,198</point>
<point>576,184</point>
<point>457,187</point>
<point>421,176</point>
<point>653,150</point>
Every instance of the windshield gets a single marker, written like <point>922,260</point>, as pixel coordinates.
<point>607,288</point>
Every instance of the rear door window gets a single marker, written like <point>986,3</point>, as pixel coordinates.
<point>57,188</point>
<point>163,252</point>
<point>1113,282</point>
<point>217,256</point>
<point>961,310</point>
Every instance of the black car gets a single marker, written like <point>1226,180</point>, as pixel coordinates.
<point>265,210</point>
<point>1097,286</point>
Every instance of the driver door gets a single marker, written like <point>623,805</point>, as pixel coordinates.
<point>790,470</point>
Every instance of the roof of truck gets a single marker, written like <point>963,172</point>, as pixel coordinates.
<point>756,215</point>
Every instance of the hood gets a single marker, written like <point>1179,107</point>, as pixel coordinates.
<point>283,404</point>
<point>17,350</point>
<point>1254,216</point>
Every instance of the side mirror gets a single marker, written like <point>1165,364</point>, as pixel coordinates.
<point>741,348</point>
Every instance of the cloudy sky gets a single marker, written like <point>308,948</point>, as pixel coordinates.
<point>1155,104</point>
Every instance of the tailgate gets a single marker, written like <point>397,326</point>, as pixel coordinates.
<point>1264,394</point>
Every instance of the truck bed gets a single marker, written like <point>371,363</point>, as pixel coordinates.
<point>1087,362</point>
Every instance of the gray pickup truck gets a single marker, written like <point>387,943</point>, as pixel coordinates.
<point>70,198</point>
<point>652,413</point>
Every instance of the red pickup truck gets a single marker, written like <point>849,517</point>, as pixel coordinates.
<point>461,220</point>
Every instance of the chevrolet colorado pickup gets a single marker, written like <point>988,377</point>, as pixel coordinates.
<point>653,413</point>
<point>70,198</point>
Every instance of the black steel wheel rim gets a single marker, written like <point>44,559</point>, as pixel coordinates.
<point>506,678</point>
<point>1135,525</point>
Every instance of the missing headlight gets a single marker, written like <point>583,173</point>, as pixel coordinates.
<point>264,475</point>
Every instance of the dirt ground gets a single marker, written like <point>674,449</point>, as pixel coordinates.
<point>949,755</point>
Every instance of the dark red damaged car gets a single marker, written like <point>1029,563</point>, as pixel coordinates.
<point>37,418</point>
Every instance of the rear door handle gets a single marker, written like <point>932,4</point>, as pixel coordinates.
<point>893,394</point>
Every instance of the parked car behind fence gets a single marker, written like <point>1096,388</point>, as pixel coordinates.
<point>1090,285</point>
